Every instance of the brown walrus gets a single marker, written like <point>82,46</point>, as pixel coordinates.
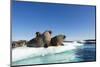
<point>47,38</point>
<point>58,40</point>
<point>37,41</point>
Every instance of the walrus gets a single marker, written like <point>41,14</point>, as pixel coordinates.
<point>57,40</point>
<point>37,41</point>
<point>47,38</point>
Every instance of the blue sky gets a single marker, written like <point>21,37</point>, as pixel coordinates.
<point>75,21</point>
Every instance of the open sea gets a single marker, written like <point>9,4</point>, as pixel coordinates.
<point>84,53</point>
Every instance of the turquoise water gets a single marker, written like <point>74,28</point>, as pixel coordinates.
<point>82,53</point>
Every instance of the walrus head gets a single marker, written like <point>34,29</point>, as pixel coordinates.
<point>60,39</point>
<point>38,34</point>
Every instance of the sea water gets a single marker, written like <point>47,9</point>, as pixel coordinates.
<point>83,53</point>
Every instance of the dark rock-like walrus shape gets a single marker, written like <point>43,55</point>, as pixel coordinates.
<point>37,41</point>
<point>58,40</point>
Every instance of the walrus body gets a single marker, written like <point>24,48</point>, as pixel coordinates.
<point>36,42</point>
<point>57,40</point>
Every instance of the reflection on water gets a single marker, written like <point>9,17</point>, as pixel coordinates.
<point>82,53</point>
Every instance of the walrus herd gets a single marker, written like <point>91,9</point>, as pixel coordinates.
<point>45,39</point>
